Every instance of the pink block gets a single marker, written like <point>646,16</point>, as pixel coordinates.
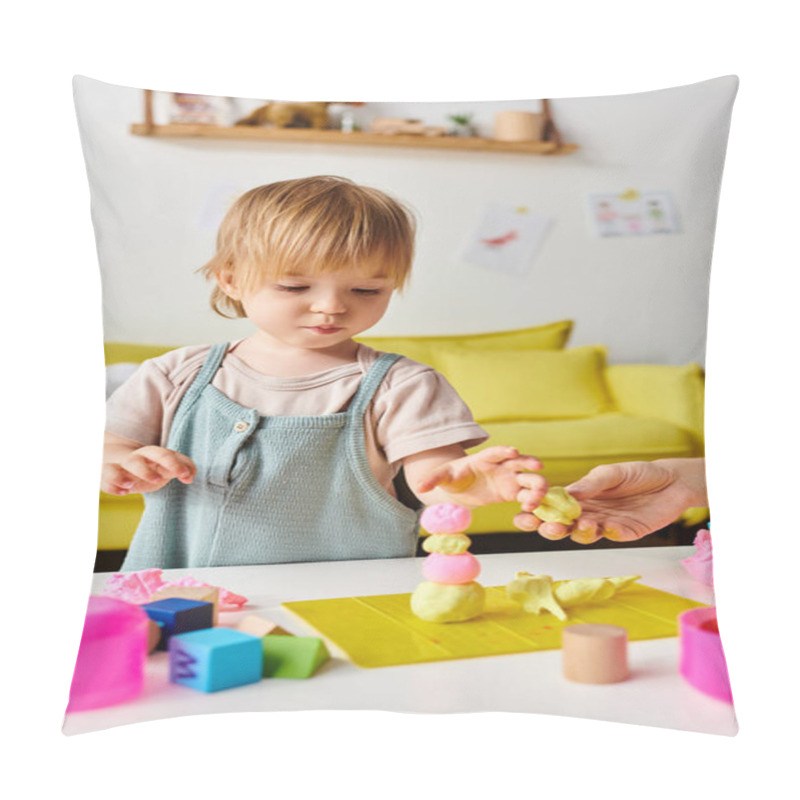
<point>702,660</point>
<point>442,568</point>
<point>111,656</point>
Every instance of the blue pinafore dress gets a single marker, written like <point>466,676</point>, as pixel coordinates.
<point>269,489</point>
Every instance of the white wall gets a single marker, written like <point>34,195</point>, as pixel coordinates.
<point>644,297</point>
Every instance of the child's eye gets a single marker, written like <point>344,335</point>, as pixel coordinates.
<point>367,291</point>
<point>292,288</point>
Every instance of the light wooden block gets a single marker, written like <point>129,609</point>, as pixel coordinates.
<point>594,653</point>
<point>258,626</point>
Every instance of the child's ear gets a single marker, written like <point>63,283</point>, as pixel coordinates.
<point>226,281</point>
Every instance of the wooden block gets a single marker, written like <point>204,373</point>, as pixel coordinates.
<point>206,594</point>
<point>594,653</point>
<point>154,633</point>
<point>215,658</point>
<point>258,626</point>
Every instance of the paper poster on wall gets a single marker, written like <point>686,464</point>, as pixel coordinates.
<point>633,213</point>
<point>507,239</point>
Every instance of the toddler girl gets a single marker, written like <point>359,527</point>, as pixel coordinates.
<point>289,445</point>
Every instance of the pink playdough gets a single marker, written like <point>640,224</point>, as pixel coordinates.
<point>442,568</point>
<point>137,587</point>
<point>700,565</point>
<point>446,518</point>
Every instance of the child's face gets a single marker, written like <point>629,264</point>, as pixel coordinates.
<point>316,311</point>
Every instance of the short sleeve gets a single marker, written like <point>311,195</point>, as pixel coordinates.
<point>141,408</point>
<point>418,410</point>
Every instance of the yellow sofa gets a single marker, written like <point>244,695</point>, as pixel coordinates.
<point>565,406</point>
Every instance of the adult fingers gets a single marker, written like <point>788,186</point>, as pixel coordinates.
<point>586,532</point>
<point>619,531</point>
<point>527,522</point>
<point>553,531</point>
<point>598,480</point>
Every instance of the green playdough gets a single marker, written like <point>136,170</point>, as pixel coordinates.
<point>558,505</point>
<point>442,602</point>
<point>537,593</point>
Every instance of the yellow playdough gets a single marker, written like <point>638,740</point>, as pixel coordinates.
<point>558,505</point>
<point>451,544</point>
<point>443,602</point>
<point>537,593</point>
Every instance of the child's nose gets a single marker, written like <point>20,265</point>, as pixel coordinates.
<point>329,303</point>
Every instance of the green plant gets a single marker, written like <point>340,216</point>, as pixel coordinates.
<point>460,119</point>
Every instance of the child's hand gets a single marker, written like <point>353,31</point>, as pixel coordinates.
<point>145,470</point>
<point>494,475</point>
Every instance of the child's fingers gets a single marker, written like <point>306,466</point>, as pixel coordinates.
<point>447,475</point>
<point>508,456</point>
<point>115,480</point>
<point>143,468</point>
<point>534,488</point>
<point>172,464</point>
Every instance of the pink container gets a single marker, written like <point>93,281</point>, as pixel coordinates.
<point>702,660</point>
<point>112,655</point>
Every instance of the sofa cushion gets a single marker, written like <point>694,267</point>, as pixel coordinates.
<point>570,448</point>
<point>425,349</point>
<point>529,384</point>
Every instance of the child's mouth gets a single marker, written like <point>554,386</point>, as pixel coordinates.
<point>324,329</point>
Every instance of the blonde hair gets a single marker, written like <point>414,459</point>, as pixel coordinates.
<point>310,226</point>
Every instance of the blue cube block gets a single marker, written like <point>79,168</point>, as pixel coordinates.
<point>179,615</point>
<point>214,659</point>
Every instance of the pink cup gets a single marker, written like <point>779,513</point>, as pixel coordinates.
<point>702,660</point>
<point>111,656</point>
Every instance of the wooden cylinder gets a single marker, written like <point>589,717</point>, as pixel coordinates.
<point>518,126</point>
<point>595,653</point>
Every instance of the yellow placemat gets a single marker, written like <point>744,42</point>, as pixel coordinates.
<point>381,631</point>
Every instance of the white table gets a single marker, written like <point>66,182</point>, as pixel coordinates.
<point>655,694</point>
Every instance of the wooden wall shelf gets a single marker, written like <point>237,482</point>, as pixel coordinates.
<point>310,135</point>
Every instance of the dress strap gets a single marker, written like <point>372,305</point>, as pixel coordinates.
<point>370,383</point>
<point>205,376</point>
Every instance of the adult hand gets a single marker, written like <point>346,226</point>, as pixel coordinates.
<point>624,502</point>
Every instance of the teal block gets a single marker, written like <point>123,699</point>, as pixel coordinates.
<point>293,656</point>
<point>214,659</point>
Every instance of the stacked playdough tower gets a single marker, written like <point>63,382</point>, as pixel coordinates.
<point>450,593</point>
